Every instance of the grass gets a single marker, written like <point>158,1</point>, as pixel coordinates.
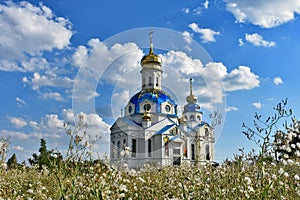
<point>241,178</point>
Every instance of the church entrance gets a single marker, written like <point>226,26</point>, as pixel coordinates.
<point>176,156</point>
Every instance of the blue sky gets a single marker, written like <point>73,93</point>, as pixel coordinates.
<point>53,56</point>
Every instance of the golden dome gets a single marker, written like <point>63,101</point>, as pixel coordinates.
<point>151,57</point>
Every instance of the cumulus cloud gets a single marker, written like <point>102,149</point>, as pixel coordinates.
<point>52,95</point>
<point>51,121</point>
<point>38,81</point>
<point>264,13</point>
<point>257,105</point>
<point>18,122</point>
<point>208,35</point>
<point>241,43</point>
<point>28,30</point>
<point>210,80</point>
<point>258,40</point>
<point>277,80</point>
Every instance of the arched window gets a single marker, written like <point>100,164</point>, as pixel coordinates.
<point>198,118</point>
<point>192,117</point>
<point>207,153</point>
<point>156,81</point>
<point>143,81</point>
<point>206,132</point>
<point>150,81</point>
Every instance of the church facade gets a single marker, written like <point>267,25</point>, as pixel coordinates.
<point>152,132</point>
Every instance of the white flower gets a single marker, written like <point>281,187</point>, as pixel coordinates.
<point>248,180</point>
<point>298,144</point>
<point>285,174</point>
<point>297,178</point>
<point>280,171</point>
<point>293,146</point>
<point>286,156</point>
<point>30,191</point>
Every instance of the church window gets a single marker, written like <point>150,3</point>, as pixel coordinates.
<point>192,117</point>
<point>150,81</point>
<point>198,117</point>
<point>113,149</point>
<point>156,81</point>
<point>124,143</point>
<point>130,109</point>
<point>133,152</point>
<point>207,152</point>
<point>206,132</point>
<point>193,151</point>
<point>119,148</point>
<point>149,148</point>
<point>167,108</point>
<point>143,81</point>
<point>147,107</point>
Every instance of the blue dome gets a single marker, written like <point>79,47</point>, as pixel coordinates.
<point>192,108</point>
<point>156,96</point>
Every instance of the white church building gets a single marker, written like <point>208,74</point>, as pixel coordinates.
<point>151,132</point>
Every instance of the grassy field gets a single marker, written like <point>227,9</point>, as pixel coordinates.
<point>238,179</point>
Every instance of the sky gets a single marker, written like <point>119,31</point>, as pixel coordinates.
<point>62,58</point>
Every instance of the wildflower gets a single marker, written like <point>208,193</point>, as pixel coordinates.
<point>293,146</point>
<point>285,174</point>
<point>296,177</point>
<point>123,188</point>
<point>30,191</point>
<point>298,144</point>
<point>248,180</point>
<point>280,171</point>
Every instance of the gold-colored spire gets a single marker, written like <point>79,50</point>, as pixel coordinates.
<point>151,44</point>
<point>151,57</point>
<point>191,98</point>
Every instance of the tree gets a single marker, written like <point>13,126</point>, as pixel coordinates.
<point>12,162</point>
<point>46,157</point>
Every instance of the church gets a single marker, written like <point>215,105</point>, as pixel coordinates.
<point>152,132</point>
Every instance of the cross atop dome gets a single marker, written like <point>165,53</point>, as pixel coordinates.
<point>151,58</point>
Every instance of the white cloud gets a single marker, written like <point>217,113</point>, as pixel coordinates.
<point>231,108</point>
<point>68,115</point>
<point>18,148</point>
<point>34,124</point>
<point>277,80</point>
<point>188,37</point>
<point>257,105</point>
<point>264,13</point>
<point>205,4</point>
<point>258,40</point>
<point>20,102</point>
<point>208,35</point>
<point>241,79</point>
<point>18,121</point>
<point>28,30</point>
<point>210,81</point>
<point>52,95</point>
<point>86,95</point>
<point>38,81</point>
<point>51,121</point>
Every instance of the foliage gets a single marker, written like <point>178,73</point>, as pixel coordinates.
<point>4,143</point>
<point>46,157</point>
<point>287,144</point>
